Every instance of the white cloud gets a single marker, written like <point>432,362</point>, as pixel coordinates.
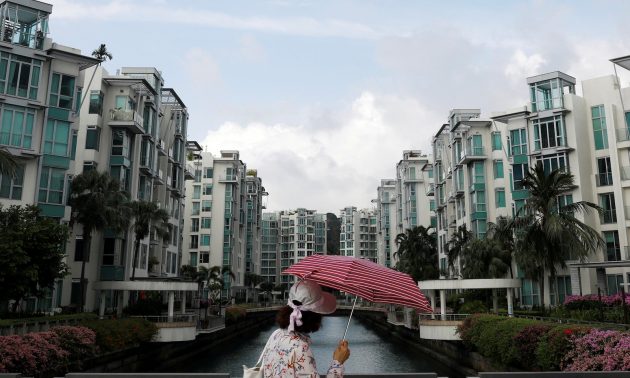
<point>135,11</point>
<point>327,168</point>
<point>201,68</point>
<point>251,49</point>
<point>522,66</point>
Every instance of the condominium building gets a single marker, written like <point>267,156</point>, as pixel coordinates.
<point>386,222</point>
<point>135,129</point>
<point>470,178</point>
<point>358,233</point>
<point>299,233</point>
<point>223,217</point>
<point>412,206</point>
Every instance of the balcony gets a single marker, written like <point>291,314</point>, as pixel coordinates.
<point>472,153</point>
<point>158,178</point>
<point>128,119</point>
<point>623,137</point>
<point>189,172</point>
<point>228,178</point>
<point>430,190</point>
<point>112,273</point>
<point>145,166</point>
<point>161,148</point>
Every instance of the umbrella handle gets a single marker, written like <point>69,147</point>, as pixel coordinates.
<point>350,317</point>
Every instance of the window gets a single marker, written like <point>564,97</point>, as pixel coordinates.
<point>125,103</point>
<point>431,205</point>
<point>530,293</point>
<point>613,283</point>
<point>613,250</point>
<point>477,173</point>
<point>563,201</point>
<point>195,208</point>
<point>17,126</point>
<point>412,173</point>
<point>11,187</point>
<point>19,76</point>
<point>499,197</point>
<point>518,142</point>
<point>109,251</point>
<point>475,146</point>
<point>196,192</point>
<point>51,185</point>
<point>498,169</point>
<point>194,241</point>
<point>56,137</point>
<point>207,172</point>
<point>120,143</point>
<point>89,166</point>
<point>548,133</point>
<point>205,240</point>
<point>607,203</point>
<point>207,189</point>
<point>604,172</point>
<point>193,258</point>
<point>600,134</point>
<point>496,141</point>
<point>204,258</point>
<point>194,225</point>
<point>553,162</point>
<point>518,174</point>
<point>205,222</point>
<point>563,284</point>
<point>206,205</point>
<point>478,201</point>
<point>96,102</point>
<point>197,175</point>
<point>62,91</point>
<point>92,138</point>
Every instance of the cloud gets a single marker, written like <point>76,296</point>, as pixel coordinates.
<point>251,49</point>
<point>201,67</point>
<point>521,65</point>
<point>328,168</point>
<point>135,11</point>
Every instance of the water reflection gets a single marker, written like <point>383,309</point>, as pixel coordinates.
<point>369,353</point>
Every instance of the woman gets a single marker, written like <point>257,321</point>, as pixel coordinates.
<point>288,352</point>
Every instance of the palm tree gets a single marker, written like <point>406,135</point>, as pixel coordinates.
<point>548,234</point>
<point>102,55</point>
<point>147,216</point>
<point>8,163</point>
<point>484,258</point>
<point>417,253</point>
<point>97,203</point>
<point>252,280</point>
<point>266,287</point>
<point>455,245</point>
<point>503,232</point>
<point>214,279</point>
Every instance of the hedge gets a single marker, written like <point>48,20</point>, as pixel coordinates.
<point>77,317</point>
<point>116,334</point>
<point>234,314</point>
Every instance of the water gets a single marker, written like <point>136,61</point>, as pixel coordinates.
<point>369,352</point>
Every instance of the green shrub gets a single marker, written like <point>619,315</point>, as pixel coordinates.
<point>234,314</point>
<point>472,307</point>
<point>526,342</point>
<point>119,334</point>
<point>553,345</point>
<point>497,340</point>
<point>69,317</point>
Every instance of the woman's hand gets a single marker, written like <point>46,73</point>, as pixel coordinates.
<point>342,352</point>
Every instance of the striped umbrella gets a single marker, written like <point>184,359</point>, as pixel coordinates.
<point>362,278</point>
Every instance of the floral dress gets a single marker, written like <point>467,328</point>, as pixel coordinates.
<point>289,354</point>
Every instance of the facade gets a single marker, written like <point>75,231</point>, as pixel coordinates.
<point>133,128</point>
<point>298,233</point>
<point>386,222</point>
<point>224,217</point>
<point>358,236</point>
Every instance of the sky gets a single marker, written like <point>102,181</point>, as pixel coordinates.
<point>323,96</point>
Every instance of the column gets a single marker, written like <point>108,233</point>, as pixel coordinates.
<point>119,305</point>
<point>171,305</point>
<point>443,304</point>
<point>101,308</point>
<point>495,301</point>
<point>510,308</point>
<point>433,304</point>
<point>183,308</point>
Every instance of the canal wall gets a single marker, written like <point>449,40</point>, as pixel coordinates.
<point>452,354</point>
<point>152,357</point>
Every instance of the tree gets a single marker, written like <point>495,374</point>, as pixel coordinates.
<point>97,204</point>
<point>102,55</point>
<point>548,233</point>
<point>503,232</point>
<point>484,258</point>
<point>147,217</point>
<point>252,280</point>
<point>32,252</point>
<point>188,272</point>
<point>266,287</point>
<point>8,163</point>
<point>417,253</point>
<point>456,243</point>
<point>214,279</point>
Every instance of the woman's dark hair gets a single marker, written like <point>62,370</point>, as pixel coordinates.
<point>311,321</point>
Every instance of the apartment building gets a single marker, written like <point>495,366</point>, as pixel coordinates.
<point>386,222</point>
<point>224,217</point>
<point>358,236</point>
<point>270,248</point>
<point>134,128</point>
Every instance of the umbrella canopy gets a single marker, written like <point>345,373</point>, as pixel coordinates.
<point>363,278</point>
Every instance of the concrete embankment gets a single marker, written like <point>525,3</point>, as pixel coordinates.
<point>152,357</point>
<point>451,354</point>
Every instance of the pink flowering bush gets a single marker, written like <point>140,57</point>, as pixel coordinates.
<point>598,350</point>
<point>593,301</point>
<point>32,354</point>
<point>80,342</point>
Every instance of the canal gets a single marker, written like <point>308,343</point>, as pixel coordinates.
<point>370,353</point>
